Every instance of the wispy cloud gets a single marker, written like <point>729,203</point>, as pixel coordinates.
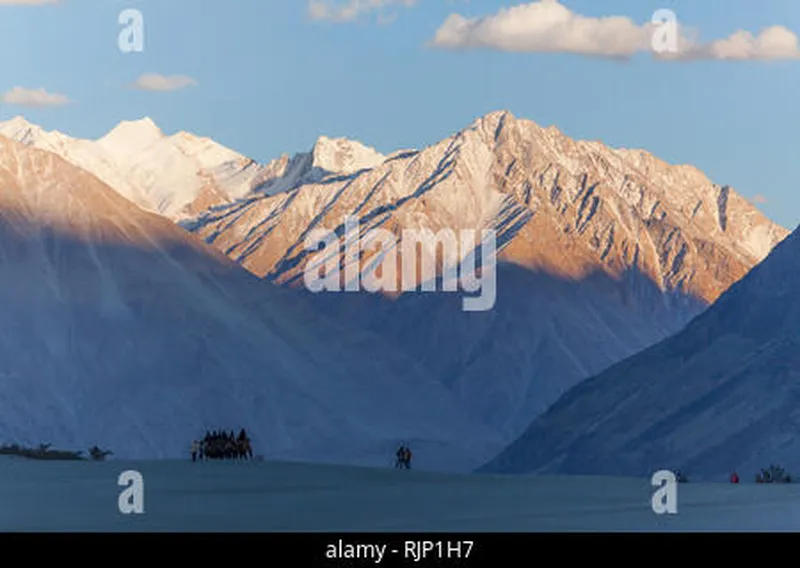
<point>759,199</point>
<point>547,26</point>
<point>162,83</point>
<point>33,97</point>
<point>351,10</point>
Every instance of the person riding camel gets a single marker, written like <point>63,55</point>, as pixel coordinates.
<point>401,457</point>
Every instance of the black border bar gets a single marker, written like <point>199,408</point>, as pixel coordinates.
<point>401,549</point>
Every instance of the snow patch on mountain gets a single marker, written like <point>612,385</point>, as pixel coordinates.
<point>344,156</point>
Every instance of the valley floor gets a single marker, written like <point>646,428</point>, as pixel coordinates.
<point>261,496</point>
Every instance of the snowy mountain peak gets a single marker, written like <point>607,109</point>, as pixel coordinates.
<point>19,129</point>
<point>342,155</point>
<point>173,175</point>
<point>17,122</point>
<point>143,126</point>
<point>18,125</point>
<point>496,116</point>
<point>131,135</point>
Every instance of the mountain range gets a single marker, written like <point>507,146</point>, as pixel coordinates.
<point>603,253</point>
<point>123,330</point>
<point>181,175</point>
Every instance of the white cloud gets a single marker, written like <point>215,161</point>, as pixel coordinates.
<point>352,10</point>
<point>33,97</point>
<point>548,26</point>
<point>776,42</point>
<point>156,82</point>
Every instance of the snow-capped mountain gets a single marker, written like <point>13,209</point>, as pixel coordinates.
<point>175,176</point>
<point>720,396</point>
<point>603,252</point>
<point>181,175</point>
<point>123,330</point>
<point>328,157</point>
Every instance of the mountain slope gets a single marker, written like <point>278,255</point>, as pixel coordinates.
<point>181,175</point>
<point>720,396</point>
<point>122,330</point>
<point>603,252</point>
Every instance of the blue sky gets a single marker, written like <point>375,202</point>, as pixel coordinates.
<point>270,78</point>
